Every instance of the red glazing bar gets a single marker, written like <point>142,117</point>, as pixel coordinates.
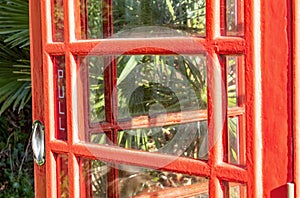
<point>175,45</point>
<point>71,67</point>
<point>240,17</point>
<point>253,98</point>
<point>73,174</point>
<point>212,19</point>
<point>296,93</point>
<point>134,157</point>
<point>215,121</point>
<point>224,97</point>
<point>241,94</point>
<point>223,17</point>
<point>230,172</point>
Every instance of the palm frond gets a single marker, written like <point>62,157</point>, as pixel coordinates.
<point>14,22</point>
<point>14,78</point>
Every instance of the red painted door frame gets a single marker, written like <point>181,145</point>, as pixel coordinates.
<point>296,92</point>
<point>276,72</point>
<point>277,75</point>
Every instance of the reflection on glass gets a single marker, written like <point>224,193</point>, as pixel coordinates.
<point>232,85</point>
<point>58,20</point>
<point>153,84</point>
<point>234,17</point>
<point>62,175</point>
<point>99,138</point>
<point>233,141</point>
<point>98,22</point>
<point>91,19</point>
<point>95,176</point>
<point>95,75</point>
<point>189,140</point>
<point>137,181</point>
<point>235,190</point>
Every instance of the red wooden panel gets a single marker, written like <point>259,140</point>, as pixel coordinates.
<point>276,94</point>
<point>296,93</point>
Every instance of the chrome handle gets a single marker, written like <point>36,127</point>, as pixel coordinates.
<point>38,142</point>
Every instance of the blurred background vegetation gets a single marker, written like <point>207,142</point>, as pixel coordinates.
<point>16,164</point>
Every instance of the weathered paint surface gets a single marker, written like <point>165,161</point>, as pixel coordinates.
<point>296,92</point>
<point>37,86</point>
<point>276,97</point>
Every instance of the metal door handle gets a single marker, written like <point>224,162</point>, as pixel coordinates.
<point>38,142</point>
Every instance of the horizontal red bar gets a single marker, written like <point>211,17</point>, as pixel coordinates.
<point>133,157</point>
<point>168,45</point>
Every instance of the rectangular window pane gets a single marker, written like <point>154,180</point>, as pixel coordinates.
<point>137,181</point>
<point>145,18</point>
<point>153,84</point>
<point>92,74</point>
<point>235,190</point>
<point>58,20</point>
<point>62,175</point>
<point>188,140</point>
<point>60,96</point>
<point>99,180</point>
<point>236,142</point>
<point>234,17</point>
<point>232,86</point>
<point>94,178</point>
<point>235,80</point>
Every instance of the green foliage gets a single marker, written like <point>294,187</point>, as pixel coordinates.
<point>16,175</point>
<point>14,22</point>
<point>16,164</point>
<point>15,83</point>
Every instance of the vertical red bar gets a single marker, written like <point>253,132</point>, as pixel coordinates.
<point>253,97</point>
<point>37,82</point>
<point>296,92</point>
<point>223,17</point>
<point>241,94</point>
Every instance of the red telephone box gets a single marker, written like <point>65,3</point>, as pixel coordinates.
<point>174,98</point>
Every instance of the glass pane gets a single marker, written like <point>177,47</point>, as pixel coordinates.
<point>235,190</point>
<point>99,180</point>
<point>62,175</point>
<point>234,17</point>
<point>233,141</point>
<point>94,178</point>
<point>232,85</point>
<point>128,18</point>
<point>92,68</point>
<point>154,84</point>
<point>188,140</point>
<point>236,142</point>
<point>137,181</point>
<point>58,20</point>
<point>60,97</point>
<point>99,138</point>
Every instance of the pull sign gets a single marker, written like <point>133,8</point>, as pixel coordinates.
<point>38,142</point>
